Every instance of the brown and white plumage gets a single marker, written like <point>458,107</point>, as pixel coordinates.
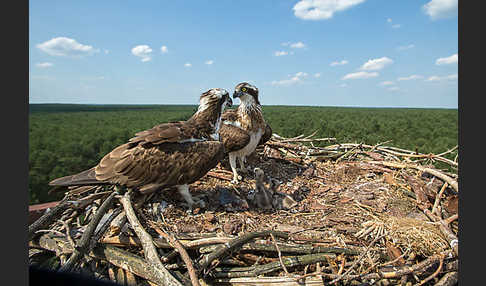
<point>169,154</point>
<point>244,128</point>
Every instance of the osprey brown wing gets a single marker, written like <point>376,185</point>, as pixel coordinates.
<point>234,138</point>
<point>84,178</point>
<point>144,159</point>
<point>165,133</point>
<point>230,115</point>
<point>161,165</point>
<point>267,135</point>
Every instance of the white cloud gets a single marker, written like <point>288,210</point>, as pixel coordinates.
<point>188,65</point>
<point>360,75</point>
<point>450,77</point>
<point>412,77</point>
<point>142,51</point>
<point>339,63</point>
<point>407,47</point>
<point>433,78</point>
<point>106,51</point>
<point>389,20</point>
<point>376,64</point>
<point>164,49</point>
<point>210,62</point>
<point>438,9</point>
<point>343,85</point>
<point>317,75</point>
<point>386,83</point>
<point>62,46</point>
<point>298,45</point>
<point>454,59</point>
<point>44,65</point>
<point>292,80</point>
<point>322,9</point>
<point>280,53</point>
<point>393,88</point>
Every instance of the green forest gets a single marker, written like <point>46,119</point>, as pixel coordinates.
<point>68,138</point>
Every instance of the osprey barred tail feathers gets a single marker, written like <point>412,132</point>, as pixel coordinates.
<point>169,154</point>
<point>245,128</point>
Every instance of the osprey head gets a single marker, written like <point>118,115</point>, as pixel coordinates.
<point>245,91</point>
<point>217,96</point>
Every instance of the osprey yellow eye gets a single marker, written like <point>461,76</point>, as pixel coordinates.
<point>243,89</point>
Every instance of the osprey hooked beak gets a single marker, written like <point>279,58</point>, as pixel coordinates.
<point>237,94</point>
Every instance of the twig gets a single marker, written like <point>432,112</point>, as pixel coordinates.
<point>279,254</point>
<point>254,271</point>
<point>436,173</point>
<point>48,218</point>
<point>218,176</point>
<point>83,244</point>
<point>183,253</point>
<point>147,243</point>
<point>437,199</point>
<point>441,262</point>
<point>68,233</point>
<point>449,279</point>
<point>234,244</point>
<point>129,262</point>
<point>340,277</point>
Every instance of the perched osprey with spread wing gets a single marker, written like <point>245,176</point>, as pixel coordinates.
<point>244,128</point>
<point>169,154</point>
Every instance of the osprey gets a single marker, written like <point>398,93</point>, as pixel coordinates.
<point>169,154</point>
<point>244,128</point>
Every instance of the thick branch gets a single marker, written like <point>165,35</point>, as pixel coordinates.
<point>235,244</point>
<point>83,245</point>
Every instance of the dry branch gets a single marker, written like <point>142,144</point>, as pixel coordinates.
<point>148,246</point>
<point>234,244</point>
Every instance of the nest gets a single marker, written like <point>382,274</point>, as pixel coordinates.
<point>344,212</point>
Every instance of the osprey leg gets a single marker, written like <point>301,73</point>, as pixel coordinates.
<point>184,191</point>
<point>232,160</point>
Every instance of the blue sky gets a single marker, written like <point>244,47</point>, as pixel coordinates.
<point>368,53</point>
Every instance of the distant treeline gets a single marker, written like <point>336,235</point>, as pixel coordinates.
<point>68,138</point>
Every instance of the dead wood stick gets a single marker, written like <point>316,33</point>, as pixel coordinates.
<point>146,240</point>
<point>441,262</point>
<point>449,279</point>
<point>279,254</point>
<point>48,217</point>
<point>446,231</point>
<point>234,244</point>
<point>293,249</point>
<point>162,243</point>
<point>451,218</point>
<point>397,272</point>
<point>283,145</point>
<point>218,176</point>
<point>309,140</point>
<point>84,243</point>
<point>183,253</point>
<point>445,178</point>
<point>196,244</point>
<point>129,262</point>
<point>342,276</point>
<point>253,271</point>
<point>437,198</point>
<point>103,227</point>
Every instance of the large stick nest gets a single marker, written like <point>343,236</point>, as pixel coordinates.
<point>348,212</point>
